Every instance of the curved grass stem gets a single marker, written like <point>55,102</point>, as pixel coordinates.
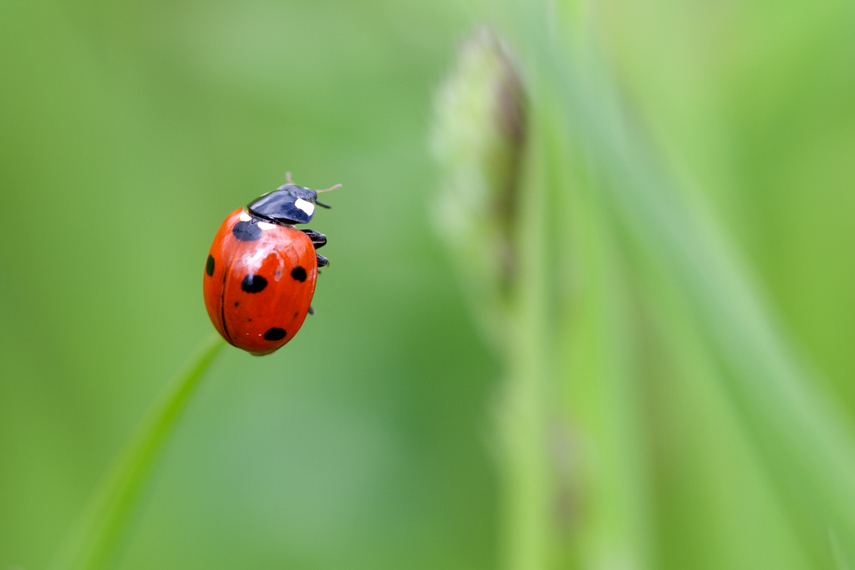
<point>98,535</point>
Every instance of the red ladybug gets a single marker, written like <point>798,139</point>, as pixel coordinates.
<point>261,271</point>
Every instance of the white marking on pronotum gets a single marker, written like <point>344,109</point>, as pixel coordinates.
<point>266,225</point>
<point>307,207</point>
<point>244,217</point>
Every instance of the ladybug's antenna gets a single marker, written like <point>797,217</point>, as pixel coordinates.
<point>321,204</point>
<point>288,178</point>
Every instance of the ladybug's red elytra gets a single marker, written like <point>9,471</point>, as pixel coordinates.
<point>261,271</point>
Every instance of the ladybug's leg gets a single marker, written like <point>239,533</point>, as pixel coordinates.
<point>318,239</point>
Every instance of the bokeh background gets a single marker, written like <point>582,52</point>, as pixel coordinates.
<point>129,130</point>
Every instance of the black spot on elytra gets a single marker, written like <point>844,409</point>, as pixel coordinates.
<point>298,273</point>
<point>209,266</point>
<point>253,283</point>
<point>247,231</point>
<point>275,334</point>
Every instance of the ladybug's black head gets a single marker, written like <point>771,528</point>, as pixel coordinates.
<point>288,204</point>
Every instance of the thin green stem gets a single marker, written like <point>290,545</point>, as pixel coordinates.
<point>801,433</point>
<point>100,532</point>
<point>528,532</point>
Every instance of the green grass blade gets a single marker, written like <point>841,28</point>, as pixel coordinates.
<point>99,534</point>
<point>803,439</point>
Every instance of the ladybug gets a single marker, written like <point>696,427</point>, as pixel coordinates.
<point>261,271</point>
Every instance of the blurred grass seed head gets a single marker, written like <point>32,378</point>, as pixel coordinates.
<point>477,139</point>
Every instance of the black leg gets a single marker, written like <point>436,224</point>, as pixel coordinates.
<point>311,310</point>
<point>319,240</point>
<point>322,261</point>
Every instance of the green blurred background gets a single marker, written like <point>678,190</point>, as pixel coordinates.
<point>129,130</point>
